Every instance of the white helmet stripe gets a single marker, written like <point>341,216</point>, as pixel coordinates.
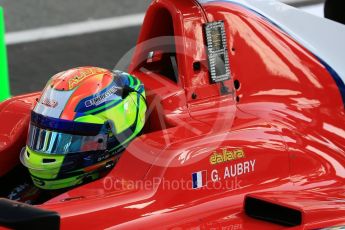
<point>59,99</point>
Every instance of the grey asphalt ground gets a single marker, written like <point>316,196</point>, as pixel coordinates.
<point>29,14</point>
<point>32,64</point>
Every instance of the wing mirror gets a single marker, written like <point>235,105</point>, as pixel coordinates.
<point>154,56</point>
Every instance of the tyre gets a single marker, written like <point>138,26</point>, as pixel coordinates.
<point>335,10</point>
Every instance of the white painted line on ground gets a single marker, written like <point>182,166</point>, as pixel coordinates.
<point>73,29</point>
<point>79,28</point>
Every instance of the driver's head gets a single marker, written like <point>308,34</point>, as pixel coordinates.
<point>84,119</point>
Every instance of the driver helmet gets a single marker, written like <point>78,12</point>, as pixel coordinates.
<point>82,122</point>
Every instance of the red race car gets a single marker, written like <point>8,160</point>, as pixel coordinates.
<point>245,127</point>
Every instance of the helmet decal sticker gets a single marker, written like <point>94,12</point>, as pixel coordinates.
<point>83,74</point>
<point>105,97</point>
<point>101,98</point>
<point>50,103</point>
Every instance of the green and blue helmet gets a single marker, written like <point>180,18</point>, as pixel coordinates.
<point>83,121</point>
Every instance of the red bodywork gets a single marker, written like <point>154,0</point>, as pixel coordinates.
<point>286,116</point>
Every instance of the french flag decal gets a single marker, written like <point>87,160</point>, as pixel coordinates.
<point>199,179</point>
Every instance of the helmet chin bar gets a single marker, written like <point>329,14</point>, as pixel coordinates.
<point>73,175</point>
<point>76,165</point>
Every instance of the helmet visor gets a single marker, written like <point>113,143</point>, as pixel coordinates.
<point>53,142</point>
